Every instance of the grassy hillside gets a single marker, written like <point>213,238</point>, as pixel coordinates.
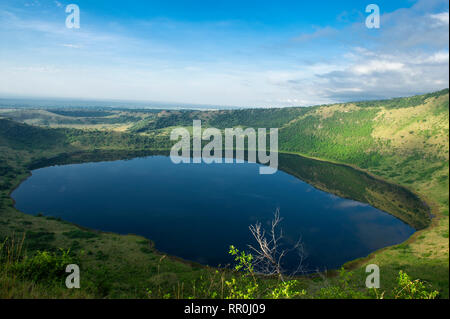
<point>403,141</point>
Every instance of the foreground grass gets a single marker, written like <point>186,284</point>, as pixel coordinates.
<point>41,275</point>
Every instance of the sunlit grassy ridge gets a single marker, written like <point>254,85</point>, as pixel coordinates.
<point>406,144</point>
<point>403,141</point>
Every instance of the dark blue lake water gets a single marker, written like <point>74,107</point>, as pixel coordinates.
<point>196,211</point>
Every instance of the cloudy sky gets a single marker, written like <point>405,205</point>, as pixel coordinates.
<point>223,52</point>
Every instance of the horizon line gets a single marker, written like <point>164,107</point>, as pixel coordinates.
<point>147,104</point>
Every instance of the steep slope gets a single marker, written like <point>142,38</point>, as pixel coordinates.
<point>404,141</point>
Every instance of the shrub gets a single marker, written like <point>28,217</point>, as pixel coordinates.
<point>44,266</point>
<point>247,285</point>
<point>343,289</point>
<point>412,289</point>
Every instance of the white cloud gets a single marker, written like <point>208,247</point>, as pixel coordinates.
<point>73,46</point>
<point>377,66</point>
<point>440,18</point>
<point>346,204</point>
<point>407,55</point>
<point>403,74</point>
<point>440,57</point>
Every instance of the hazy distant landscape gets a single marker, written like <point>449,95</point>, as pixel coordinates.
<point>55,103</point>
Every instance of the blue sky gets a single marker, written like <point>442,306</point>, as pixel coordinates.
<point>241,53</point>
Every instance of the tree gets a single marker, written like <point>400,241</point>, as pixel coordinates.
<point>268,254</point>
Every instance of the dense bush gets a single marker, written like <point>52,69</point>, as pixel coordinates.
<point>43,266</point>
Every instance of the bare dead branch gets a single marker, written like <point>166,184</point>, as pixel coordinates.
<point>267,254</point>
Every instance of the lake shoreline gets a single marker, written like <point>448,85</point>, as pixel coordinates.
<point>351,264</point>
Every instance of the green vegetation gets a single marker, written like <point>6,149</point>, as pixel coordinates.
<point>354,184</point>
<point>399,144</point>
<point>82,113</point>
<point>71,118</point>
<point>42,274</point>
